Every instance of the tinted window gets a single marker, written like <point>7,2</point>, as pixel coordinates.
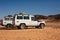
<point>19,17</point>
<point>6,18</point>
<point>11,19</point>
<point>26,17</point>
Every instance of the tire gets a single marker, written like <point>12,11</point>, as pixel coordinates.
<point>42,26</point>
<point>22,26</point>
<point>9,26</point>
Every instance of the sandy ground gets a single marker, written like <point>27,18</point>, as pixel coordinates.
<point>50,32</point>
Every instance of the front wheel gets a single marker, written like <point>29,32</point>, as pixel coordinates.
<point>42,26</point>
<point>9,26</point>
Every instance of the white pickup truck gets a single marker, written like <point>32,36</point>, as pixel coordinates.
<point>24,20</point>
<point>8,21</point>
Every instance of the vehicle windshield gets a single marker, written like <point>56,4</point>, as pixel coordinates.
<point>8,18</point>
<point>33,18</point>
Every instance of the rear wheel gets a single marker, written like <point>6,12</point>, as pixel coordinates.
<point>22,26</point>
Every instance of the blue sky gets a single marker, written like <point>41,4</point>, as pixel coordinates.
<point>43,7</point>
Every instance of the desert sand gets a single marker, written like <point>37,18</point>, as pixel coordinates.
<point>50,32</point>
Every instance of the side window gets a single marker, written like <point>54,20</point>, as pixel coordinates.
<point>11,18</point>
<point>26,17</point>
<point>19,17</point>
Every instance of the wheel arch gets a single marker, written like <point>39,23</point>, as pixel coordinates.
<point>42,23</point>
<point>23,23</point>
<point>9,24</point>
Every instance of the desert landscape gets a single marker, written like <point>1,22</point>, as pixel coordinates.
<point>50,32</point>
<point>15,15</point>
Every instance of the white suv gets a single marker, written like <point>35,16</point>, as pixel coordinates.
<point>25,20</point>
<point>8,21</point>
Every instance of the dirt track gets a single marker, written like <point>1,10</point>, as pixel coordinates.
<point>50,32</point>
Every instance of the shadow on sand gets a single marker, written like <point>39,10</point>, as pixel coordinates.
<point>18,29</point>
